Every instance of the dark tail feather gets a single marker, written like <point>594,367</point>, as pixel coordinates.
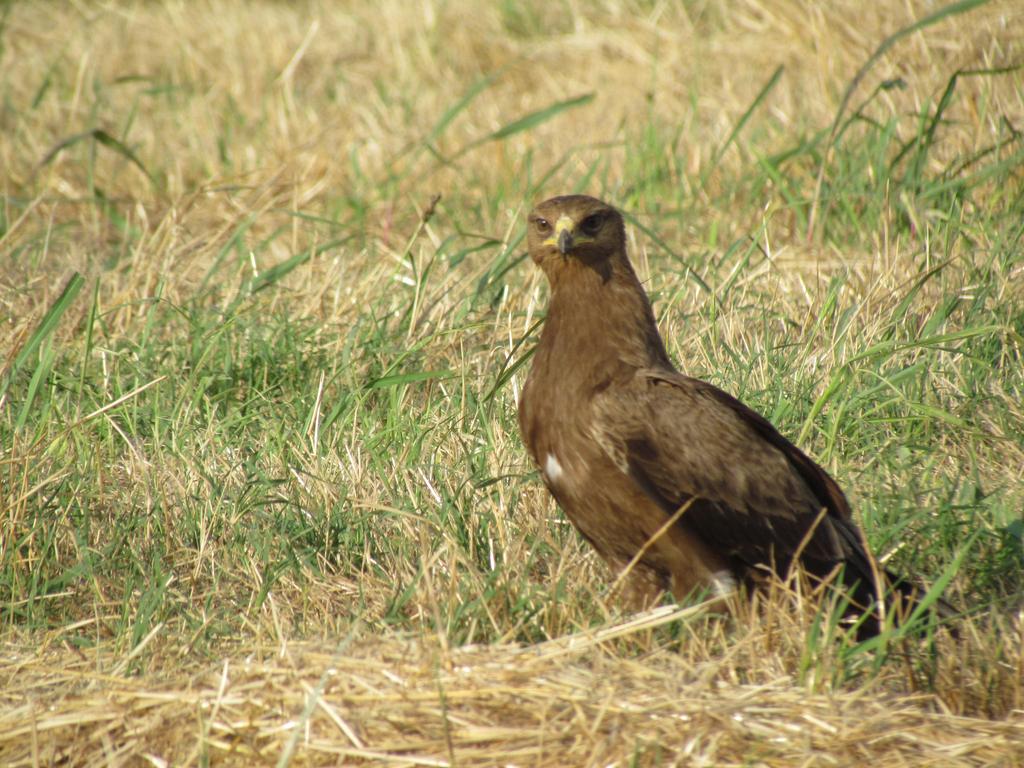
<point>879,596</point>
<point>892,602</point>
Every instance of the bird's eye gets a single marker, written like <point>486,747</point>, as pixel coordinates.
<point>543,225</point>
<point>592,223</point>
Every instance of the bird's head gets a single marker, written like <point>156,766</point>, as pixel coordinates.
<point>575,227</point>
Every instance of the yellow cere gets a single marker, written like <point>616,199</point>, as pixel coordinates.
<point>565,224</point>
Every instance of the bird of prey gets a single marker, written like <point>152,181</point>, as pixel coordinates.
<point>664,474</point>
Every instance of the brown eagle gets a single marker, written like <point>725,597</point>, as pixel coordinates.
<point>664,474</point>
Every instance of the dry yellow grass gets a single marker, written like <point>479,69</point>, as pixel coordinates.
<point>307,91</point>
<point>251,115</point>
<point>576,700</point>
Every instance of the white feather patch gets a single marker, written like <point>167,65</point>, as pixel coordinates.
<point>552,469</point>
<point>723,583</point>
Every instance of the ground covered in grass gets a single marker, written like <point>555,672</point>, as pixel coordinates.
<point>266,308</point>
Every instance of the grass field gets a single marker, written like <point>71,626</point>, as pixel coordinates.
<point>266,310</point>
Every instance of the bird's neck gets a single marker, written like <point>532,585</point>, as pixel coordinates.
<point>600,318</point>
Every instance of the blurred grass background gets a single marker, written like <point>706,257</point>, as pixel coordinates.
<point>265,305</point>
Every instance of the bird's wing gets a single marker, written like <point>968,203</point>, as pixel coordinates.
<point>756,495</point>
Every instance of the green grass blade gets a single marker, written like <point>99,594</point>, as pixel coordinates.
<point>947,11</point>
<point>534,119</point>
<point>234,241</point>
<point>38,376</point>
<point>44,329</point>
<point>527,122</point>
<point>118,146</point>
<point>90,328</point>
<point>101,137</point>
<point>459,106</point>
<point>938,340</point>
<point>741,123</point>
<point>270,276</point>
<point>409,378</point>
<point>664,246</point>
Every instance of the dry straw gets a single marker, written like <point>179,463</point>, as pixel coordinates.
<point>409,702</point>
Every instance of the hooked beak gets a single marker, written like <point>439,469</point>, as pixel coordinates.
<point>564,241</point>
<point>564,237</point>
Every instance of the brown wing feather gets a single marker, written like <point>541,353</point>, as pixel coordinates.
<point>756,495</point>
<point>826,490</point>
